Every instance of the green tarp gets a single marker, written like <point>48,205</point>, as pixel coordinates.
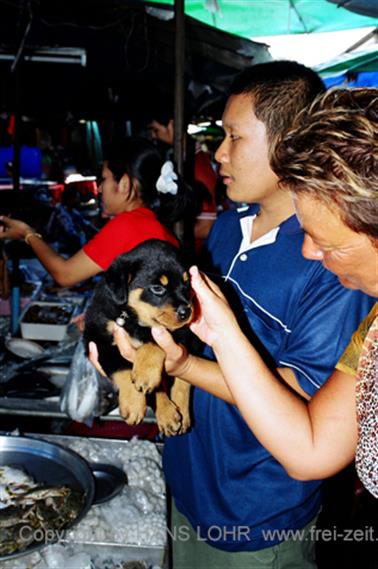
<point>253,18</point>
<point>358,61</point>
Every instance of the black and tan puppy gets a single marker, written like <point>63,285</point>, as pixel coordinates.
<point>145,287</point>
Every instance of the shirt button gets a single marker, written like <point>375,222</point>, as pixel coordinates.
<point>243,257</point>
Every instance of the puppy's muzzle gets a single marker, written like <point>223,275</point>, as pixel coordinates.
<point>184,312</point>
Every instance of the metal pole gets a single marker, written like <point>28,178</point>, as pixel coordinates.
<point>16,165</point>
<point>15,276</point>
<point>179,133</point>
<point>179,130</point>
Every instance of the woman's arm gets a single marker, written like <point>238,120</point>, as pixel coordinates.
<point>312,440</point>
<point>66,272</point>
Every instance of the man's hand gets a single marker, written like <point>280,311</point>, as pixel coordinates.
<point>176,355</point>
<point>79,321</point>
<point>93,358</point>
<point>122,341</point>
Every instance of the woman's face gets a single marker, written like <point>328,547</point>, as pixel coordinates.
<point>113,200</point>
<point>349,255</point>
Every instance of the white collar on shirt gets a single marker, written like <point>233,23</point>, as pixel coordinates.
<point>246,225</point>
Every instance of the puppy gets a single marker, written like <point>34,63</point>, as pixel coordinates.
<point>145,287</point>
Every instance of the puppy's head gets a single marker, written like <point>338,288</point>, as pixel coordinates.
<point>154,282</point>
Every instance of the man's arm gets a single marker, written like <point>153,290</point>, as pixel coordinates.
<point>197,371</point>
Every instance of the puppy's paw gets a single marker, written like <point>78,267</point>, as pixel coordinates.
<point>185,422</point>
<point>132,414</point>
<point>144,381</point>
<point>148,367</point>
<point>168,418</point>
<point>180,395</point>
<point>132,404</point>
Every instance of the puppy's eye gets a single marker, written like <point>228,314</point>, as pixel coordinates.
<point>158,290</point>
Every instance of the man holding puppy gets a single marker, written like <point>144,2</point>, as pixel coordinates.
<point>238,505</point>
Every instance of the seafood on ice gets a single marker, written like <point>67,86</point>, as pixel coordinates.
<point>28,508</point>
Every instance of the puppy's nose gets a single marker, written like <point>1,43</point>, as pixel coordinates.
<point>183,312</point>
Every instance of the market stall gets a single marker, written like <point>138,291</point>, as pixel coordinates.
<point>127,522</point>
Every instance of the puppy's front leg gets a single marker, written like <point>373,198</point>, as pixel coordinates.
<point>180,395</point>
<point>132,403</point>
<point>168,416</point>
<point>148,367</point>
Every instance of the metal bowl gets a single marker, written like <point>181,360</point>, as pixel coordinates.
<point>23,349</point>
<point>110,481</point>
<point>50,464</point>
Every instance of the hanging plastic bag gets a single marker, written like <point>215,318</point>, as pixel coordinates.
<point>86,393</point>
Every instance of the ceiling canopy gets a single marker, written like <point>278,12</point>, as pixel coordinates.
<point>253,18</point>
<point>111,58</point>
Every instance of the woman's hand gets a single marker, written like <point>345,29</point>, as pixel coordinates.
<point>13,228</point>
<point>215,319</point>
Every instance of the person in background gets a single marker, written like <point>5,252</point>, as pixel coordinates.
<point>67,228</point>
<point>203,178</point>
<point>227,486</point>
<point>129,191</point>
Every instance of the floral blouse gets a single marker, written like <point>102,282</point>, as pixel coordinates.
<point>361,359</point>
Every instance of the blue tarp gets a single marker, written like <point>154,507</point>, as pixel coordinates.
<point>363,79</point>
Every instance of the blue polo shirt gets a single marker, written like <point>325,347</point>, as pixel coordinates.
<point>234,493</point>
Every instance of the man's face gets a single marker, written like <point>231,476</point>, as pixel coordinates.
<point>162,132</point>
<point>349,255</point>
<point>243,154</point>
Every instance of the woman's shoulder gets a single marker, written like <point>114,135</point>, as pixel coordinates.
<point>350,358</point>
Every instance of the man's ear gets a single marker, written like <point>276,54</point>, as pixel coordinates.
<point>117,279</point>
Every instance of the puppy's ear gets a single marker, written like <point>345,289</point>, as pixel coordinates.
<point>117,279</point>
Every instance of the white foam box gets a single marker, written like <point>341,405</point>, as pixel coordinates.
<point>50,331</point>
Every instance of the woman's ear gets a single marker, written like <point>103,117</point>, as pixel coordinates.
<point>129,189</point>
<point>124,185</point>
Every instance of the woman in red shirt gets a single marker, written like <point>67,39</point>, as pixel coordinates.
<point>144,196</point>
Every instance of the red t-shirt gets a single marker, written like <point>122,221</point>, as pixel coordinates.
<point>124,232</point>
